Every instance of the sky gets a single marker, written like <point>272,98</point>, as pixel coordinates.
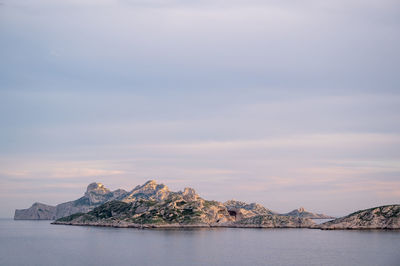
<point>284,103</point>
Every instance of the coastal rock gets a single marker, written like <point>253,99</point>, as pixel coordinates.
<point>383,217</point>
<point>275,221</point>
<point>38,211</point>
<point>301,212</point>
<point>241,210</point>
<point>95,195</point>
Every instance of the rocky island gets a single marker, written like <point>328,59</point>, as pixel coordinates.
<point>383,217</point>
<point>153,205</point>
<point>38,211</point>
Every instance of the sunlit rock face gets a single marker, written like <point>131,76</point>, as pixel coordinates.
<point>383,217</point>
<point>97,193</point>
<point>303,213</point>
<point>38,211</point>
<point>149,191</point>
<point>189,194</point>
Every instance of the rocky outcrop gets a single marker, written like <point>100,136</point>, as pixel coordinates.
<point>274,221</point>
<point>242,210</point>
<point>95,195</point>
<point>189,194</point>
<point>302,213</point>
<point>38,211</point>
<point>383,217</point>
<point>149,191</point>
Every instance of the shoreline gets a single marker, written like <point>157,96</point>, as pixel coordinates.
<point>211,226</point>
<point>177,226</point>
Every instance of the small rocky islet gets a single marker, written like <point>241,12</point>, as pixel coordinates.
<point>153,205</point>
<point>383,217</point>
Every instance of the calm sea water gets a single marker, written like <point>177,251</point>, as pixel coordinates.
<point>40,243</point>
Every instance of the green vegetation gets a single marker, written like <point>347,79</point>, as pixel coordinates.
<point>71,217</point>
<point>180,203</point>
<point>173,210</point>
<point>110,209</point>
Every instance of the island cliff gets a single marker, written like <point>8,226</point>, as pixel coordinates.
<point>38,211</point>
<point>95,195</point>
<point>155,206</point>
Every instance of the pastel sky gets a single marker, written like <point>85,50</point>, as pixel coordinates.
<point>285,103</point>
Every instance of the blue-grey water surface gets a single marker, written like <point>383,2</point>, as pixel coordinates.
<point>40,243</point>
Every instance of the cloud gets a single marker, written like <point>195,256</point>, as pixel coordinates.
<point>269,101</point>
<point>52,170</point>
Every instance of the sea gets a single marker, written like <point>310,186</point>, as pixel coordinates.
<point>41,243</point>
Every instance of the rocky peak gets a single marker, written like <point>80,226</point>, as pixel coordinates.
<point>149,190</point>
<point>151,185</point>
<point>98,188</point>
<point>301,209</point>
<point>96,193</point>
<point>38,211</point>
<point>189,194</point>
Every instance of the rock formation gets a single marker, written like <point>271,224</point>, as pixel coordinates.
<point>154,205</point>
<point>242,210</point>
<point>274,221</point>
<point>383,217</point>
<point>301,212</point>
<point>149,191</point>
<point>38,211</point>
<point>96,194</point>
